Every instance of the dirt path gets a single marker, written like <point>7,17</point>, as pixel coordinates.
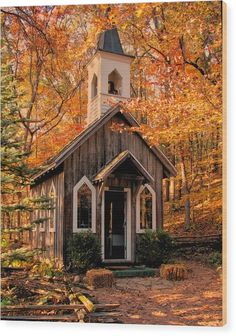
<point>195,301</point>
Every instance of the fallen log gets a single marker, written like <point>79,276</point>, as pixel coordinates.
<point>97,307</point>
<point>41,307</point>
<point>49,318</point>
<point>105,314</point>
<point>87,303</point>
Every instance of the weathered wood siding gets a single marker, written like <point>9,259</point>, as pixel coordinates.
<point>50,242</point>
<point>95,153</point>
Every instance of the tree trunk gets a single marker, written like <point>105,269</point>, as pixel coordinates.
<point>187,222</point>
<point>166,190</point>
<point>172,189</point>
<point>178,190</point>
<point>186,193</point>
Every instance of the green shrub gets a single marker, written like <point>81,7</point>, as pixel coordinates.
<point>215,258</point>
<point>165,245</point>
<point>153,248</point>
<point>47,267</point>
<point>84,251</point>
<point>20,257</point>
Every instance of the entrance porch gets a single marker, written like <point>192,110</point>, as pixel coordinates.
<point>118,186</point>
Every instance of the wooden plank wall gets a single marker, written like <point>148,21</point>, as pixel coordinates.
<point>94,154</point>
<point>50,242</point>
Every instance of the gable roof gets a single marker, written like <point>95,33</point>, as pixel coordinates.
<point>117,161</point>
<point>58,159</point>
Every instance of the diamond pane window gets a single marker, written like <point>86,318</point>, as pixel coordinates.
<point>145,209</point>
<point>84,207</point>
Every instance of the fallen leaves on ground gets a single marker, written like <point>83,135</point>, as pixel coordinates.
<point>194,301</point>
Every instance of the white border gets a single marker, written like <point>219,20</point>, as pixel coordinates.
<point>86,181</point>
<point>128,247</point>
<point>152,191</point>
<point>23,328</point>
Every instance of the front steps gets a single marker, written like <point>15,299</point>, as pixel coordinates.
<point>133,272</point>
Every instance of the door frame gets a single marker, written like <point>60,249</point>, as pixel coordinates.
<point>128,247</point>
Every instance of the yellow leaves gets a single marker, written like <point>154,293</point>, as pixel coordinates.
<point>179,101</point>
<point>139,12</point>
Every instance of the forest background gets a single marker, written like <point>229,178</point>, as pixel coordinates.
<point>176,94</point>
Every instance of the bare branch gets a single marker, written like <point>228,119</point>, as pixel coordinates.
<point>195,65</point>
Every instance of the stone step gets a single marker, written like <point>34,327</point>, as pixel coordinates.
<point>134,272</point>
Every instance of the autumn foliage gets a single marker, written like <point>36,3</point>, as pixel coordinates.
<point>176,87</point>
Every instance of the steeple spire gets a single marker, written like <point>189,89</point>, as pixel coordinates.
<point>109,41</point>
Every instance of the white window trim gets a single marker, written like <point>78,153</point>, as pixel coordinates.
<point>53,212</point>
<point>42,212</point>
<point>121,81</point>
<point>93,95</point>
<point>86,181</point>
<point>152,191</point>
<point>34,213</point>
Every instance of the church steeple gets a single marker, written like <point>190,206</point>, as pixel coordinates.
<point>109,41</point>
<point>108,75</point>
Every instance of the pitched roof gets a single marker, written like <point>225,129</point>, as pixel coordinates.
<point>117,161</point>
<point>109,40</point>
<point>58,159</point>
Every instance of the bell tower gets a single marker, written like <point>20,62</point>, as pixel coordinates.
<point>108,75</point>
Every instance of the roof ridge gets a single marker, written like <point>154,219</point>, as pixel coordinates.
<point>81,137</point>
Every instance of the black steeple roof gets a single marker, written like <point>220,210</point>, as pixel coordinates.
<point>109,41</point>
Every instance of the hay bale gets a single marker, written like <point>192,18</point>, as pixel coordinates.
<point>174,272</point>
<point>100,278</point>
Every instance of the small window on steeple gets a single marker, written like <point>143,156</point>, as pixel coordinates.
<point>115,83</point>
<point>94,86</point>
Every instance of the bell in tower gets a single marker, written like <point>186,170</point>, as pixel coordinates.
<point>108,75</point>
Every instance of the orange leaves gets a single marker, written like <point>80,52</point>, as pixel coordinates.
<point>52,45</point>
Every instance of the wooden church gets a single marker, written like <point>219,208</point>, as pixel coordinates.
<point>104,181</point>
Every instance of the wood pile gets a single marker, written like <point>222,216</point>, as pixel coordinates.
<point>59,299</point>
<point>98,278</point>
<point>69,313</point>
<point>175,272</point>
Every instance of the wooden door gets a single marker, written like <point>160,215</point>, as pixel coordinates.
<point>115,224</point>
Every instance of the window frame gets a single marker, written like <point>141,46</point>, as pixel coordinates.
<point>118,80</point>
<point>82,181</point>
<point>34,215</point>
<point>42,212</point>
<point>153,193</point>
<point>52,212</point>
<point>94,86</point>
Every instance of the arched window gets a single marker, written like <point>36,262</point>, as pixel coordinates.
<point>34,214</point>
<point>42,212</point>
<point>94,86</point>
<point>115,83</point>
<point>52,210</point>
<point>145,209</point>
<point>84,206</point>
